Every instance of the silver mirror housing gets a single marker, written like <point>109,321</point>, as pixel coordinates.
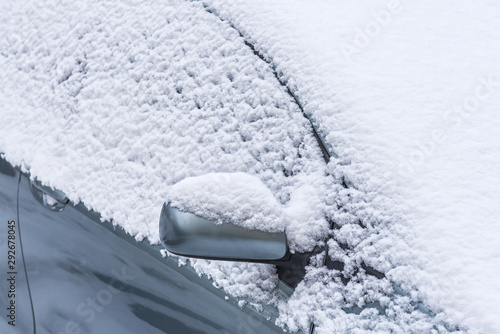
<point>186,234</point>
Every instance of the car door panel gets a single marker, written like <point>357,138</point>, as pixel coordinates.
<point>88,277</point>
<point>16,316</point>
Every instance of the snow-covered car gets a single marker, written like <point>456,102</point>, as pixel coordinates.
<point>227,112</point>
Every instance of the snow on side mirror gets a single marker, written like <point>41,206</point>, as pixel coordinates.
<point>224,216</point>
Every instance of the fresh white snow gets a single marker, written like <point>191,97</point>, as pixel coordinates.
<point>251,205</point>
<point>126,105</point>
<point>408,95</point>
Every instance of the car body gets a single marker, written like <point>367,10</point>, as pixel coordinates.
<point>88,276</point>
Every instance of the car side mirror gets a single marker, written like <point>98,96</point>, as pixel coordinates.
<point>186,234</point>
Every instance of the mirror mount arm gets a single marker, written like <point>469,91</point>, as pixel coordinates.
<point>292,268</point>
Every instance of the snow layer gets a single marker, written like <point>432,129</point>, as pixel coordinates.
<point>116,102</point>
<point>407,94</point>
<point>251,204</point>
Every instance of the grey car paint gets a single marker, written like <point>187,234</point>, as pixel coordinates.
<point>90,277</point>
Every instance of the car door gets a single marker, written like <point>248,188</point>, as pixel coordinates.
<point>88,277</point>
<point>16,314</point>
